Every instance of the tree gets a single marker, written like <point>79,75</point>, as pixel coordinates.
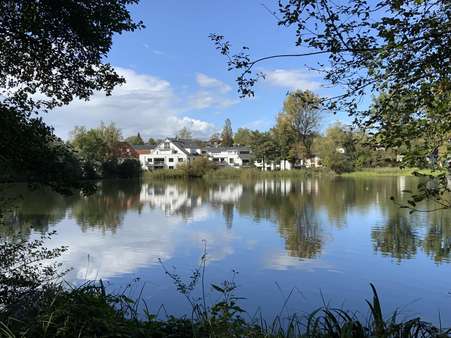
<point>336,149</point>
<point>263,147</point>
<point>227,134</point>
<point>243,136</point>
<point>96,145</point>
<point>285,137</point>
<point>135,140</point>
<point>396,48</point>
<point>30,152</point>
<point>184,134</point>
<point>152,141</point>
<point>302,109</point>
<point>57,49</point>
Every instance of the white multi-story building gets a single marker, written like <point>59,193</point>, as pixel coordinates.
<point>170,153</point>
<point>236,157</point>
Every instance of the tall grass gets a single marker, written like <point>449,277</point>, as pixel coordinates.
<point>91,311</point>
<point>165,174</point>
<point>253,173</point>
<point>234,173</point>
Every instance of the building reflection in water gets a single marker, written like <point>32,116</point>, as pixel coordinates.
<point>304,212</point>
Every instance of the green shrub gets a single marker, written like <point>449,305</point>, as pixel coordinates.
<point>198,167</point>
<point>127,168</point>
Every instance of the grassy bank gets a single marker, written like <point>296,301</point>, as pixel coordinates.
<point>389,171</point>
<point>253,173</point>
<point>231,173</point>
<point>90,311</point>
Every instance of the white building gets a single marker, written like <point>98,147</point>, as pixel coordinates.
<point>273,165</point>
<point>170,153</point>
<point>314,162</point>
<point>235,157</point>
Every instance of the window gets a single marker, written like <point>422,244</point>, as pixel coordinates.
<point>149,160</point>
<point>244,152</point>
<point>180,159</point>
<point>171,159</point>
<point>231,160</point>
<point>167,145</point>
<point>171,167</point>
<point>222,159</point>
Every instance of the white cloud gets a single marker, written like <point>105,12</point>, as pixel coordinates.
<point>212,93</point>
<point>144,103</point>
<point>207,99</point>
<point>292,79</point>
<point>205,81</point>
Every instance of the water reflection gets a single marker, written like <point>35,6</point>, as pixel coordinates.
<point>302,211</point>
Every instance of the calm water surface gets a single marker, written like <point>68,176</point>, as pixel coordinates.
<point>320,237</point>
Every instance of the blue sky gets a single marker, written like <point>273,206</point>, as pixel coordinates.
<point>176,78</point>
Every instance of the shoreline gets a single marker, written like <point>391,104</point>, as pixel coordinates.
<point>251,173</point>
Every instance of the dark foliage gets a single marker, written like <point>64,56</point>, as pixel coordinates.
<point>58,48</point>
<point>50,53</point>
<point>396,50</point>
<point>30,152</point>
<point>26,268</point>
<point>127,168</point>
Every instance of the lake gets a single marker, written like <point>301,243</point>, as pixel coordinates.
<point>309,241</point>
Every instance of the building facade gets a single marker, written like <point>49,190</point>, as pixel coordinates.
<point>170,153</point>
<point>235,157</point>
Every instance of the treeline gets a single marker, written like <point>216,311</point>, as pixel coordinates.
<point>296,137</point>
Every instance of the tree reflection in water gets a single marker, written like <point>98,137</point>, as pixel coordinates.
<point>296,207</point>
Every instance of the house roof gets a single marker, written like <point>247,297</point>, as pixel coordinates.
<point>124,150</point>
<point>188,143</point>
<point>177,143</point>
<point>221,149</point>
<point>143,146</point>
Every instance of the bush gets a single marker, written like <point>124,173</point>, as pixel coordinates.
<point>127,168</point>
<point>197,167</point>
<point>26,269</point>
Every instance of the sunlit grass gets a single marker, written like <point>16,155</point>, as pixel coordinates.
<point>388,171</point>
